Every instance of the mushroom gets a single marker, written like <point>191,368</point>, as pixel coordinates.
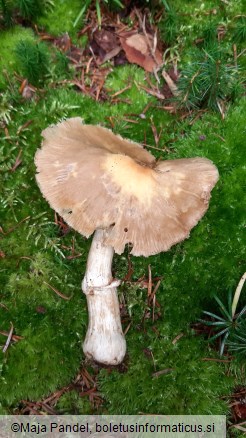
<point>99,182</point>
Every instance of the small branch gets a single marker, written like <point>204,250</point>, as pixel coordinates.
<point>127,328</point>
<point>18,161</point>
<point>151,92</point>
<point>176,339</point>
<point>239,426</point>
<point>3,306</point>
<point>234,47</point>
<point>149,281</point>
<point>13,228</point>
<point>163,372</point>
<point>120,91</point>
<point>57,292</point>
<point>212,359</point>
<point>6,346</point>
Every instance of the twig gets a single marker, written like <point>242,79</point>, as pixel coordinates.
<point>149,281</point>
<point>153,299</point>
<point>18,161</point>
<point>241,53</point>
<point>163,372</point>
<point>21,128</point>
<point>234,47</point>
<point>130,120</point>
<point>219,136</point>
<point>130,270</point>
<point>155,289</point>
<point>9,338</point>
<point>14,338</point>
<point>147,107</point>
<point>154,147</point>
<point>120,91</point>
<point>155,133</point>
<point>57,292</point>
<point>176,339</point>
<point>151,47</point>
<point>212,359</point>
<point>239,426</point>
<point>94,57</point>
<point>88,65</point>
<point>152,92</point>
<point>127,328</point>
<point>4,307</point>
<point>13,228</point>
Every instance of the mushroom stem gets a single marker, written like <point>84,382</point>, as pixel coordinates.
<point>104,341</point>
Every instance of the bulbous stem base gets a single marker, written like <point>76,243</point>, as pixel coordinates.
<point>104,341</point>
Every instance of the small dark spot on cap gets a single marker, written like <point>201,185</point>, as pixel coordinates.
<point>112,225</point>
<point>66,211</point>
<point>125,229</point>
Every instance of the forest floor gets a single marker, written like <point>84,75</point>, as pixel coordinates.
<point>181,96</point>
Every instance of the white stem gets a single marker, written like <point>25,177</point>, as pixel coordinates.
<point>104,341</point>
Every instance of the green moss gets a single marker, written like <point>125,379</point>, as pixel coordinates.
<point>190,385</point>
<point>50,327</point>
<point>8,40</point>
<point>72,403</point>
<point>61,17</point>
<point>33,60</point>
<point>30,9</point>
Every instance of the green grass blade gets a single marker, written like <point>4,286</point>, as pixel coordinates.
<point>223,308</point>
<point>118,3</point>
<point>212,323</point>
<point>223,343</point>
<point>239,337</point>
<point>219,334</point>
<point>99,17</point>
<point>80,15</point>
<point>230,299</point>
<point>213,315</point>
<point>241,313</point>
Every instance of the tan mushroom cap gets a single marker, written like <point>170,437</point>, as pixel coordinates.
<point>96,179</point>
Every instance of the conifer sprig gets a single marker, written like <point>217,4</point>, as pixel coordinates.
<point>33,59</point>
<point>208,80</point>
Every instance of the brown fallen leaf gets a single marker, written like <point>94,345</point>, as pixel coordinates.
<point>114,52</point>
<point>140,49</point>
<point>170,83</point>
<point>105,39</point>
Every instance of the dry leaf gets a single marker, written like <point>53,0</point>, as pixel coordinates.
<point>140,49</point>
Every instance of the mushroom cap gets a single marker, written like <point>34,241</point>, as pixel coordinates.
<point>96,179</point>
